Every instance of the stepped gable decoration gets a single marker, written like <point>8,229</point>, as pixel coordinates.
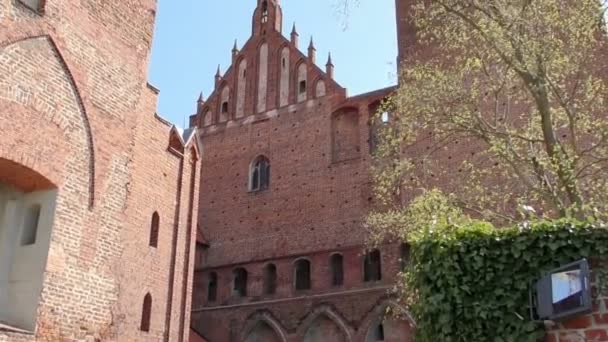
<point>268,72</point>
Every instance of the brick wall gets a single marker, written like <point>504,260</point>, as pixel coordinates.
<point>588,328</point>
<point>319,192</point>
<point>318,148</point>
<point>352,307</point>
<point>75,107</point>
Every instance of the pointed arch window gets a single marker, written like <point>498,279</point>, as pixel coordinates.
<point>240,282</point>
<point>302,87</point>
<point>372,266</point>
<point>154,230</point>
<point>270,279</point>
<point>302,275</point>
<point>212,287</point>
<point>259,178</point>
<point>146,313</point>
<point>337,270</point>
<point>224,107</point>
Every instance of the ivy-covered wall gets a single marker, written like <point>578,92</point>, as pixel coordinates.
<point>472,283</point>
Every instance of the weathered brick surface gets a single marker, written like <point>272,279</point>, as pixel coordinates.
<point>342,314</point>
<point>592,327</point>
<point>318,196</point>
<point>75,107</point>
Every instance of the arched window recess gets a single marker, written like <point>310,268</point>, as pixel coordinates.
<point>259,174</point>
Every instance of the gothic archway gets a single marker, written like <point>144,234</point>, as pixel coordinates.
<point>27,213</point>
<point>324,325</point>
<point>262,332</point>
<point>52,72</point>
<point>324,329</point>
<point>395,327</point>
<point>262,326</point>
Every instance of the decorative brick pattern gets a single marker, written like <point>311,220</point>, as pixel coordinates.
<point>315,205</point>
<point>75,107</point>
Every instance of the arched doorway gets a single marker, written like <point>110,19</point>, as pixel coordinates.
<point>389,331</point>
<point>262,333</point>
<point>27,208</point>
<point>323,329</point>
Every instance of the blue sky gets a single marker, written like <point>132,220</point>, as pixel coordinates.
<point>193,36</point>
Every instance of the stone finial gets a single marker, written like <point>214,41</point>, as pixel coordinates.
<point>294,36</point>
<point>235,51</point>
<point>312,51</point>
<point>200,103</point>
<point>218,77</point>
<point>329,67</point>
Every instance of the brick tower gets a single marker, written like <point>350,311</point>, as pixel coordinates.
<point>285,187</point>
<point>97,192</point>
<point>406,34</point>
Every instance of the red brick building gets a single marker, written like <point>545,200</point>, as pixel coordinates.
<point>98,195</point>
<point>284,190</point>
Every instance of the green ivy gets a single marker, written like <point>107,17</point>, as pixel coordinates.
<point>472,283</point>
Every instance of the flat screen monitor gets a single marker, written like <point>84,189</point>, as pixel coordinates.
<point>564,292</point>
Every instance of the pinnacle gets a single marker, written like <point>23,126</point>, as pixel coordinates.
<point>312,43</point>
<point>218,73</point>
<point>329,61</point>
<point>201,98</point>
<point>235,48</point>
<point>294,30</point>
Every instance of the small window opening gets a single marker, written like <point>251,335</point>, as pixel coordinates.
<point>34,5</point>
<point>283,63</point>
<point>212,287</point>
<point>240,282</point>
<point>405,256</point>
<point>264,12</point>
<point>224,107</point>
<point>260,174</point>
<point>379,333</point>
<point>154,229</point>
<point>337,270</point>
<point>146,313</point>
<point>302,275</point>
<point>30,225</point>
<point>372,266</point>
<point>302,87</point>
<point>270,279</point>
<point>385,117</point>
